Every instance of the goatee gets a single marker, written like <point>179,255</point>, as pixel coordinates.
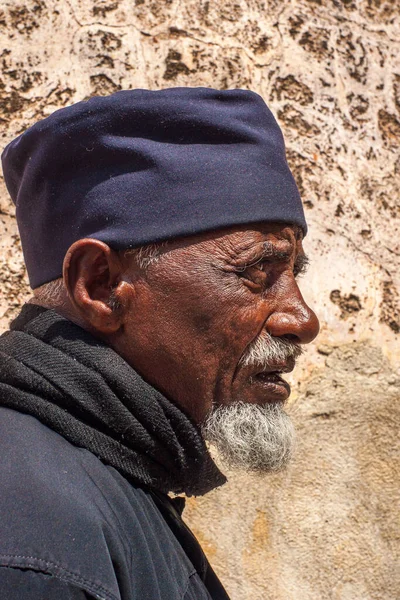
<point>250,437</point>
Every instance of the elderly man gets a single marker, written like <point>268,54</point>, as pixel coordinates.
<point>162,233</point>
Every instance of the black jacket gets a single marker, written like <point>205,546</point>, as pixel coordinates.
<point>73,527</point>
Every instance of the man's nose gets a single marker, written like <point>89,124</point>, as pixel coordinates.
<point>294,320</point>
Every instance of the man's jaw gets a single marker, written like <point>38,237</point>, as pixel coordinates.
<point>257,435</point>
<point>249,437</point>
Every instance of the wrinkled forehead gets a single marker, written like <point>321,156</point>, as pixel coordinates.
<point>263,238</point>
<point>237,241</point>
<point>243,236</point>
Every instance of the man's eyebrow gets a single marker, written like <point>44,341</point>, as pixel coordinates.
<point>269,251</point>
<point>275,254</point>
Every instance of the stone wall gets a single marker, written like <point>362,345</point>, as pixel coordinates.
<point>330,71</point>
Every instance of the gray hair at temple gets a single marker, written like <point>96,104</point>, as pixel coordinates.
<point>54,292</point>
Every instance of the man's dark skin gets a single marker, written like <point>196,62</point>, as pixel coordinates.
<point>185,321</point>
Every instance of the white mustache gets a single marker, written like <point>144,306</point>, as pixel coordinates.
<point>267,349</point>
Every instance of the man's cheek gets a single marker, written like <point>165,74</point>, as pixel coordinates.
<point>234,334</point>
<point>244,324</point>
<point>202,322</point>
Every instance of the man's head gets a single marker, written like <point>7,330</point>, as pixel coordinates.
<point>211,321</point>
<point>213,314</point>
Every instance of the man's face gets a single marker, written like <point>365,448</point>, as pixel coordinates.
<point>196,311</point>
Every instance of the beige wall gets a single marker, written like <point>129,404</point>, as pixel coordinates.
<point>330,70</point>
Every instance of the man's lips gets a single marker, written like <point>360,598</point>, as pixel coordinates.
<point>270,380</point>
<point>274,368</point>
<point>272,384</point>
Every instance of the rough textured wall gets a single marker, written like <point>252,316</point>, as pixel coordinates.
<point>330,70</point>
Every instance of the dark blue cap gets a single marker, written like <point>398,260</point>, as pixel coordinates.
<point>141,166</point>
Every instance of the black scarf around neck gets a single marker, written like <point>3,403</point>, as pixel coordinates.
<point>79,387</point>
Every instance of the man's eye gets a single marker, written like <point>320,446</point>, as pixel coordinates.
<point>261,266</point>
<point>254,274</point>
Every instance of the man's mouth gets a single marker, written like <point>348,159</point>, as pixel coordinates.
<point>271,381</point>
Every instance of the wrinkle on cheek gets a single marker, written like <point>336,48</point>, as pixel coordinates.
<point>202,322</point>
<point>240,328</point>
<point>210,310</point>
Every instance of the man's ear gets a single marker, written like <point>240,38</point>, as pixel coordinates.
<point>92,274</point>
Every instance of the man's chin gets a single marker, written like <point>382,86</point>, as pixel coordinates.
<point>251,437</point>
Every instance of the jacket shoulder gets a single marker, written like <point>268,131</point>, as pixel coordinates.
<point>65,513</point>
<point>50,516</point>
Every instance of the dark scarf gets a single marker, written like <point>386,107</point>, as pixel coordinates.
<point>79,387</point>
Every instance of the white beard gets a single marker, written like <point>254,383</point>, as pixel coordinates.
<point>250,437</point>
